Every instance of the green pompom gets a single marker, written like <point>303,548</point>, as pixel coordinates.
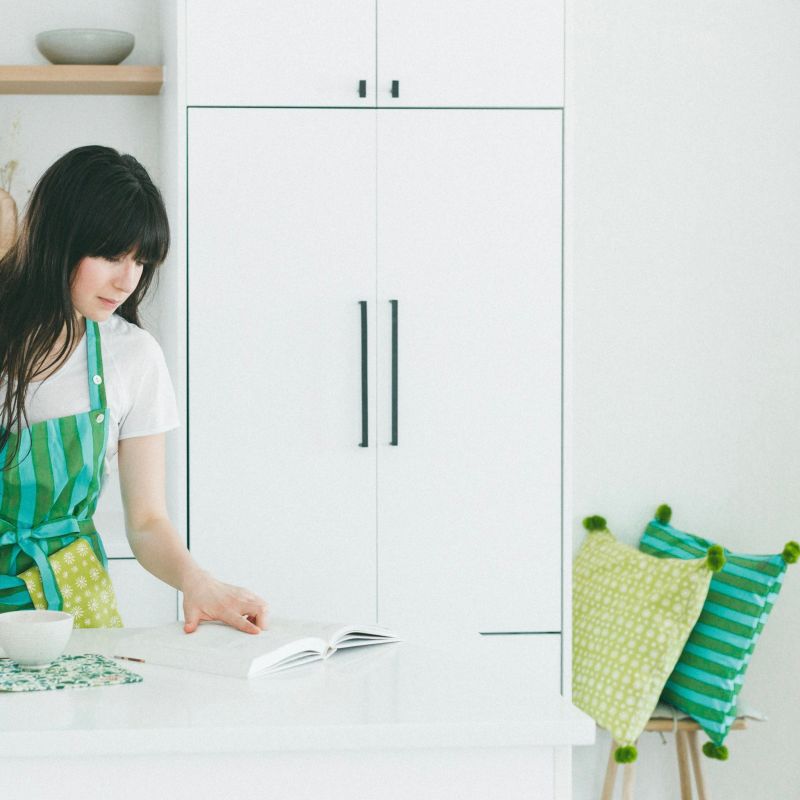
<point>594,524</point>
<point>664,514</point>
<point>718,751</point>
<point>791,552</point>
<point>625,755</point>
<point>715,558</point>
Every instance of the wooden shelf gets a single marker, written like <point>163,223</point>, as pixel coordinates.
<point>80,79</point>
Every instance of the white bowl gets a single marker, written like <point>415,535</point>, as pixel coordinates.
<point>34,639</point>
<point>85,46</point>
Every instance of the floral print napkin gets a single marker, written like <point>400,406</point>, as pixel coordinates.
<point>66,672</point>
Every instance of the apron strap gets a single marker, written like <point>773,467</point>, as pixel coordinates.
<point>21,598</point>
<point>94,353</point>
<point>52,593</point>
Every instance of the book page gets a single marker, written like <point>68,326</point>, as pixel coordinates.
<point>291,661</point>
<point>335,633</point>
<point>357,635</point>
<point>358,640</point>
<point>220,648</point>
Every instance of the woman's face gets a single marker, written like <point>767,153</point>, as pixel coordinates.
<point>100,285</point>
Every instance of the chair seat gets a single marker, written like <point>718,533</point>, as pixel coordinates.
<point>666,711</point>
<point>667,718</point>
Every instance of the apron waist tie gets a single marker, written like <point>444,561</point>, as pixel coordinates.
<point>30,541</point>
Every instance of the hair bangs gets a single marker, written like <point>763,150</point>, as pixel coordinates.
<point>136,225</point>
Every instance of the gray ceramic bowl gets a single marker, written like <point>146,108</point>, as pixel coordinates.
<point>85,46</point>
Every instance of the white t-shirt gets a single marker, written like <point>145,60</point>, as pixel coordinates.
<point>139,391</point>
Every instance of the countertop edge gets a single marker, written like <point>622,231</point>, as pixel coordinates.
<point>254,739</point>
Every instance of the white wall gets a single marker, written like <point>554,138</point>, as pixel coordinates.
<point>683,225</point>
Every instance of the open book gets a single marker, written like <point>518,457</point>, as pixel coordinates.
<point>224,650</point>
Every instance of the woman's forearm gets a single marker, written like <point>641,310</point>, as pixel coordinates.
<point>160,550</point>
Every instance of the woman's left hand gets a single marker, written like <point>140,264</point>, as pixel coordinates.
<point>204,597</point>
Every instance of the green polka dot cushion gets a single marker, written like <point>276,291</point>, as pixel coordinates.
<point>632,613</point>
<point>709,675</point>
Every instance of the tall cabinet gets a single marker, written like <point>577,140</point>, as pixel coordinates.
<point>374,298</point>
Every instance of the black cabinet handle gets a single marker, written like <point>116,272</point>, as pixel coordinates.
<point>362,88</point>
<point>364,391</point>
<point>394,372</point>
<point>395,88</point>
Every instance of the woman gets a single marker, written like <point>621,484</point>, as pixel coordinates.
<point>94,233</point>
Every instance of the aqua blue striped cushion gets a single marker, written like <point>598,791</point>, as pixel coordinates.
<point>710,671</point>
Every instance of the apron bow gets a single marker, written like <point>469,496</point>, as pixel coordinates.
<point>30,541</point>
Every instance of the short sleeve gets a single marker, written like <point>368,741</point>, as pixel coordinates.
<point>153,407</point>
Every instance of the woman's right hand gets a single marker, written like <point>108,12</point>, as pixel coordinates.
<point>204,597</point>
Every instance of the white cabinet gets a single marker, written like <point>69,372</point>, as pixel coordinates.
<point>488,53</point>
<point>109,516</point>
<point>298,53</point>
<point>281,249</point>
<point>142,598</point>
<point>485,53</point>
<point>469,244</point>
<point>526,659</point>
<point>356,273</point>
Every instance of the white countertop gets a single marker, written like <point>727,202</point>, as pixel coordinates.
<point>399,695</point>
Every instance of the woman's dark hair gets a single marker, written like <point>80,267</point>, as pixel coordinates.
<point>93,201</point>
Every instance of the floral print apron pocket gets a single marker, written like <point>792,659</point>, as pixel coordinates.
<point>84,584</point>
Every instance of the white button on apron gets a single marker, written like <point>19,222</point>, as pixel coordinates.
<point>100,417</point>
<point>97,379</point>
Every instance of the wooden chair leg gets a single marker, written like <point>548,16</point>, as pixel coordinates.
<point>683,765</point>
<point>694,752</point>
<point>611,774</point>
<point>628,777</point>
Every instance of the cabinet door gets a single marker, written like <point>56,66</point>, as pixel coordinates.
<point>142,599</point>
<point>303,53</point>
<point>109,517</point>
<point>469,244</point>
<point>281,250</point>
<point>485,53</point>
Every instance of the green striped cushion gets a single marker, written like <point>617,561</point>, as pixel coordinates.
<point>710,671</point>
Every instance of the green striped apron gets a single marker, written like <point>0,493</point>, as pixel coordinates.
<point>49,493</point>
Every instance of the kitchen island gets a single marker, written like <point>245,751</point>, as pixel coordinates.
<point>399,720</point>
